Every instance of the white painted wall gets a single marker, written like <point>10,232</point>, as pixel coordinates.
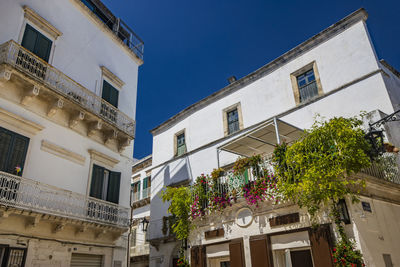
<point>81,49</point>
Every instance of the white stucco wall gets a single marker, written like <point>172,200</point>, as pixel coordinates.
<point>81,49</point>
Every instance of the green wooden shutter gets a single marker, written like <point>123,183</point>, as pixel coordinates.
<point>5,145</point>
<point>145,186</point>
<point>18,154</point>
<point>29,39</point>
<point>96,186</point>
<point>114,181</point>
<point>37,43</point>
<point>13,148</point>
<point>110,94</point>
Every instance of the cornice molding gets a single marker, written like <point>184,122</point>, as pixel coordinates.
<point>103,158</point>
<point>62,152</point>
<point>39,21</point>
<point>112,77</point>
<point>16,121</point>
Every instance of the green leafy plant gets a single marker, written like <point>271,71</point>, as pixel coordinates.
<point>180,200</point>
<point>216,173</point>
<point>315,170</point>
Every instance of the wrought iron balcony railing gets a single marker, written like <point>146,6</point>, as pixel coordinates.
<point>117,26</point>
<point>22,193</point>
<point>28,63</point>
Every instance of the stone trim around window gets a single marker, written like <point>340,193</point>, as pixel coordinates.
<point>112,77</point>
<point>62,152</point>
<point>40,22</point>
<point>293,79</point>
<point>183,131</point>
<point>102,159</point>
<point>237,106</point>
<point>19,124</point>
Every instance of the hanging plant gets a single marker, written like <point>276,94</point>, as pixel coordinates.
<point>262,189</point>
<point>217,173</point>
<point>219,201</point>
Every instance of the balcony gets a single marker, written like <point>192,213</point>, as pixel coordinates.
<point>117,26</point>
<point>140,250</point>
<point>141,198</point>
<point>25,194</point>
<point>63,93</point>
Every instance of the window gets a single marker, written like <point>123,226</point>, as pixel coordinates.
<point>180,144</point>
<point>37,43</point>
<point>307,86</point>
<point>136,191</point>
<point>233,121</point>
<point>105,184</point>
<point>146,186</point>
<point>13,148</point>
<point>343,212</point>
<point>133,237</point>
<point>306,83</point>
<point>110,94</point>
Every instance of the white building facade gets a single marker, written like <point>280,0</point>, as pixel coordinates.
<point>68,86</point>
<point>140,203</point>
<point>334,73</point>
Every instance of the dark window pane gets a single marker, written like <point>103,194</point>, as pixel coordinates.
<point>13,149</point>
<point>29,39</point>
<point>37,43</point>
<point>113,187</point>
<point>233,121</point>
<point>96,187</point>
<point>110,94</point>
<point>307,86</point>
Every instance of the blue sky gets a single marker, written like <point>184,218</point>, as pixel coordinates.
<point>192,47</point>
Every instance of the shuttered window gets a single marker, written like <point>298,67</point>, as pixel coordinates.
<point>236,253</point>
<point>260,256</point>
<point>37,43</point>
<point>79,260</point>
<point>181,144</point>
<point>13,148</point>
<point>110,94</point>
<point>146,184</point>
<point>105,184</point>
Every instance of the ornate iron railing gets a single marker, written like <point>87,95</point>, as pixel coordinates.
<point>385,167</point>
<point>18,57</point>
<point>22,193</point>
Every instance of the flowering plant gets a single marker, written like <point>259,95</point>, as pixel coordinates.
<point>242,164</point>
<point>344,254</point>
<point>196,209</point>
<point>216,173</point>
<point>264,188</point>
<point>182,262</point>
<point>219,202</point>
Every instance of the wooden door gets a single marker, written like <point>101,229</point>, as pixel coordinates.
<point>236,253</point>
<point>320,239</point>
<point>259,250</point>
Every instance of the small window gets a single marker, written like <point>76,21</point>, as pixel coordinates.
<point>180,144</point>
<point>146,186</point>
<point>37,43</point>
<point>13,149</point>
<point>105,184</point>
<point>110,94</point>
<point>307,85</point>
<point>233,121</point>
<point>343,212</point>
<point>133,237</point>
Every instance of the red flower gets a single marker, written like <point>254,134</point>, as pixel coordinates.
<point>334,249</point>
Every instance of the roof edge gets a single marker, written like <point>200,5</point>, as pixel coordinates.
<point>331,31</point>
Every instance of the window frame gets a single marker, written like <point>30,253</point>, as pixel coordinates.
<point>105,183</point>
<point>225,112</point>
<point>182,132</point>
<point>295,87</point>
<point>105,80</point>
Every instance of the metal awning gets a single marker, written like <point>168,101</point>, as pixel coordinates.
<point>263,138</point>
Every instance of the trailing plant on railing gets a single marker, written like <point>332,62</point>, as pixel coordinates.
<point>262,189</point>
<point>314,170</point>
<point>242,164</point>
<point>217,173</point>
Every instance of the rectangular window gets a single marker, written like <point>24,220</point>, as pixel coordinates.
<point>37,43</point>
<point>133,237</point>
<point>307,85</point>
<point>105,184</point>
<point>233,121</point>
<point>110,94</point>
<point>146,186</point>
<point>180,144</point>
<point>13,149</point>
<point>136,191</point>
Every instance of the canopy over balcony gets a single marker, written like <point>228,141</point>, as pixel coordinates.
<point>263,138</point>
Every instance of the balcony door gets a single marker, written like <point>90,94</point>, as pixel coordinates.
<point>37,43</point>
<point>13,149</point>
